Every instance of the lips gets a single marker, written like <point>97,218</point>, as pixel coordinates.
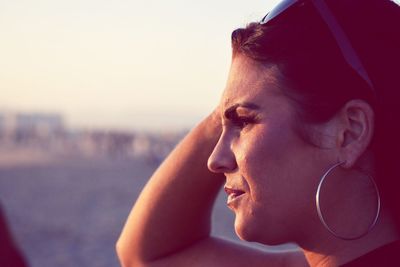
<point>233,194</point>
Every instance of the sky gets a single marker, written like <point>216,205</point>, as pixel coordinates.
<point>119,64</point>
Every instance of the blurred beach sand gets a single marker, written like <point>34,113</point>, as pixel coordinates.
<point>70,211</point>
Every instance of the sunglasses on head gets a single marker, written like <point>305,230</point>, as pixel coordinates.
<point>336,30</point>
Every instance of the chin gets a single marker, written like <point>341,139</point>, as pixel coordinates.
<point>251,231</point>
<point>246,230</point>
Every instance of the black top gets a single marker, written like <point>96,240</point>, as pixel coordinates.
<point>387,255</point>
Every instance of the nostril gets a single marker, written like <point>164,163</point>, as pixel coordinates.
<point>211,164</point>
<point>222,159</point>
<point>221,164</point>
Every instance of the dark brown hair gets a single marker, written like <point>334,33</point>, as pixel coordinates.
<point>320,82</point>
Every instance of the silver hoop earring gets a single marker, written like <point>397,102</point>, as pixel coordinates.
<point>321,217</point>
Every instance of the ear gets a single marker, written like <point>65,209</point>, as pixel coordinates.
<point>356,120</point>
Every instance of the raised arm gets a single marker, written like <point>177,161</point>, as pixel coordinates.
<point>170,223</point>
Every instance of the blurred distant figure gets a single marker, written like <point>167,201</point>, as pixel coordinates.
<point>10,256</point>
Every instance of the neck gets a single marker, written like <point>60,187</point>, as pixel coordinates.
<point>332,251</point>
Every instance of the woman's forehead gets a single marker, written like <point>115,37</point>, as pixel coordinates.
<point>249,80</point>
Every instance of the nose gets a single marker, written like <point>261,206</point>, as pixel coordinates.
<point>222,159</point>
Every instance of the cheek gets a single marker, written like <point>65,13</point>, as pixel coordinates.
<point>264,153</point>
<point>272,161</point>
<point>281,172</point>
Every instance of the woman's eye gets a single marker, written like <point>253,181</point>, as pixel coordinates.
<point>242,122</point>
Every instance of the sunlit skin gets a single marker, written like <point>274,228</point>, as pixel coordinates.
<point>272,173</point>
<point>261,154</point>
<point>169,224</point>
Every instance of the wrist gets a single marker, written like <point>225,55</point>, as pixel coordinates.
<point>212,126</point>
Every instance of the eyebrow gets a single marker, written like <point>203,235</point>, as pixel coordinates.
<point>228,112</point>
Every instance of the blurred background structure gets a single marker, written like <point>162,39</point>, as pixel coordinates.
<point>45,134</point>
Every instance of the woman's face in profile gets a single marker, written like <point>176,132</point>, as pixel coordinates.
<point>271,173</point>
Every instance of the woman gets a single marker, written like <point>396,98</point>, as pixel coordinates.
<point>305,141</point>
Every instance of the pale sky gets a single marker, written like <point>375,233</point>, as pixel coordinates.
<point>124,64</point>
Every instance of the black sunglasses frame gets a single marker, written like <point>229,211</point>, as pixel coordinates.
<point>336,30</point>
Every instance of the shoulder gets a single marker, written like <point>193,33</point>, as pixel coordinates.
<point>215,252</point>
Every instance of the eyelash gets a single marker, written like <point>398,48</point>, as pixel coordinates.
<point>242,122</point>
